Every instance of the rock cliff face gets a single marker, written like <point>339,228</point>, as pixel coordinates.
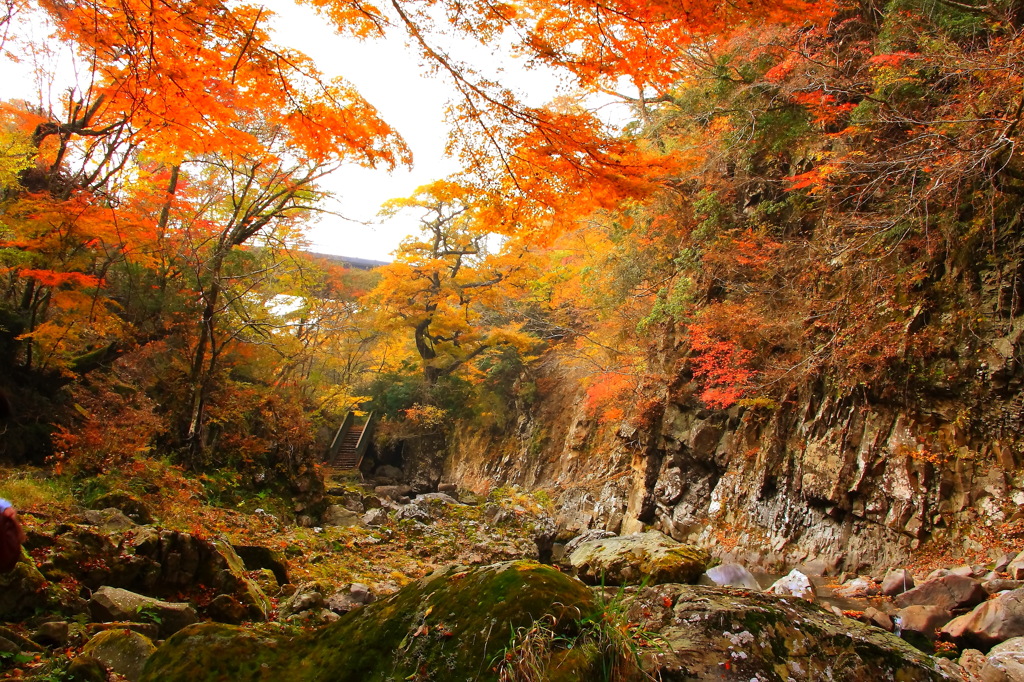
<point>841,483</point>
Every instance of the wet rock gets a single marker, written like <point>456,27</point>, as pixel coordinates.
<point>897,581</point>
<point>998,619</point>
<point>337,515</point>
<point>731,575</point>
<point>446,626</point>
<point>375,517</point>
<point>794,584</point>
<point>114,604</point>
<point>949,592</point>
<point>122,651</point>
<point>650,557</point>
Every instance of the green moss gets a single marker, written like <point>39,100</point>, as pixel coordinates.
<point>448,626</point>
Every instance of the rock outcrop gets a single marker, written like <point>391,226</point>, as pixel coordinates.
<point>650,558</point>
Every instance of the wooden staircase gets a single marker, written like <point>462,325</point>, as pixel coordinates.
<point>349,446</point>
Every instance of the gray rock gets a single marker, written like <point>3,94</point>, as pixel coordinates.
<point>1005,662</point>
<point>337,515</point>
<point>732,575</point>
<point>308,597</point>
<point>651,558</point>
<point>114,604</point>
<point>388,471</point>
<point>109,520</point>
<point>998,619</point>
<point>428,498</point>
<point>355,596</point>
<point>949,592</point>
<point>122,651</point>
<point>897,581</point>
<point>414,513</point>
<point>586,536</point>
<point>398,493</point>
<point>375,517</point>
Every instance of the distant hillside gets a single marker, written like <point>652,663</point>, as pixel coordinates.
<point>348,261</point>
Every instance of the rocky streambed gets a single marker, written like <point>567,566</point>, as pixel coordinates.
<point>456,592</point>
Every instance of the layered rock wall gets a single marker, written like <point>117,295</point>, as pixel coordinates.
<point>841,482</point>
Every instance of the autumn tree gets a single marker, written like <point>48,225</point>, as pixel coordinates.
<point>445,288</point>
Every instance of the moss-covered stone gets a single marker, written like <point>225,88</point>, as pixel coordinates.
<point>708,630</point>
<point>651,558</point>
<point>448,626</point>
<point>123,651</point>
<point>21,590</point>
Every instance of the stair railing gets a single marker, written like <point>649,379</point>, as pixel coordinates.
<point>339,436</point>
<point>365,438</point>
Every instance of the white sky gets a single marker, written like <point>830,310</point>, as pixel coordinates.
<point>389,76</point>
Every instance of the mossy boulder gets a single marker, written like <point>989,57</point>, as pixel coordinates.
<point>123,651</point>
<point>651,558</point>
<point>450,626</point>
<point>706,631</point>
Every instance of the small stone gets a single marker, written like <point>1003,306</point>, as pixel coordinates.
<point>972,661</point>
<point>794,584</point>
<point>375,517</point>
<point>225,608</point>
<point>307,597</point>
<point>873,616</point>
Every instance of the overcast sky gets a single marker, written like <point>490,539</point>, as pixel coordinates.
<point>389,76</point>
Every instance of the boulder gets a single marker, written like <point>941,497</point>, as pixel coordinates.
<point>307,597</point>
<point>873,616</point>
<point>1015,569</point>
<point>122,651</point>
<point>1005,662</point>
<point>255,557</point>
<point>897,581</point>
<point>998,619</point>
<point>413,512</point>
<point>731,575</point>
<point>130,505</point>
<point>450,625</point>
<point>398,493</point>
<point>388,471</point>
<point>949,592</point>
<point>355,596</point>
<point>858,588</point>
<point>337,515</point>
<point>86,669</point>
<point>972,661</point>
<point>226,609</point>
<point>109,520</point>
<point>997,585</point>
<point>114,604</point>
<point>650,558</point>
<point>20,590</point>
<point>375,517</point>
<point>710,633</point>
<point>586,536</point>
<point>794,584</point>
<point>53,633</point>
<point>919,623</point>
